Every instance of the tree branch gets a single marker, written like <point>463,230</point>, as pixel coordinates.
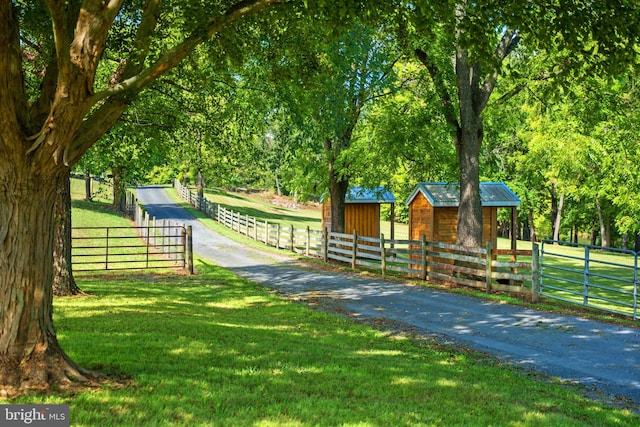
<point>175,55</point>
<point>507,44</point>
<point>441,89</point>
<point>12,92</point>
<point>61,38</point>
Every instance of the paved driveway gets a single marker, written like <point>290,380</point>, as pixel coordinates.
<point>575,349</point>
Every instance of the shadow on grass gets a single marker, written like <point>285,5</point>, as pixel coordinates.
<point>214,349</point>
<point>95,206</point>
<point>273,217</point>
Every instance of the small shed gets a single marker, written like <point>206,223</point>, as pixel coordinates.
<point>433,210</point>
<point>362,210</point>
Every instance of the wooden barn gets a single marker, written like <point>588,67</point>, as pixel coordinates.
<point>433,210</point>
<point>362,210</point>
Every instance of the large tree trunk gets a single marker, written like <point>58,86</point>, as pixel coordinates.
<point>30,356</point>
<point>470,209</point>
<point>468,142</point>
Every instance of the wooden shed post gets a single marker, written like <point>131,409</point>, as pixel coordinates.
<point>423,257</point>
<point>489,265</point>
<point>393,221</point>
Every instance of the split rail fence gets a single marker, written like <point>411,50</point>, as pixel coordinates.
<point>487,268</point>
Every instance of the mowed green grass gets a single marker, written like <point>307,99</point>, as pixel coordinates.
<point>216,350</point>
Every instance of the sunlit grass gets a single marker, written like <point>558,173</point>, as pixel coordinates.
<point>214,349</point>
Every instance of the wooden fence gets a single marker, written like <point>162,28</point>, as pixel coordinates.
<point>487,268</point>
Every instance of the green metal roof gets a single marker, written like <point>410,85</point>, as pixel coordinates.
<point>369,195</point>
<point>447,194</point>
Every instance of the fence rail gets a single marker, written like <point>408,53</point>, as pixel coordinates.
<point>486,268</point>
<point>608,278</point>
<point>147,245</point>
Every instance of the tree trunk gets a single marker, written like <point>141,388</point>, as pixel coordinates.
<point>532,227</point>
<point>64,283</point>
<point>338,187</point>
<point>554,209</point>
<point>30,356</point>
<point>605,229</point>
<point>470,209</point>
<point>200,184</point>
<point>118,189</point>
<point>558,218</point>
<point>87,186</point>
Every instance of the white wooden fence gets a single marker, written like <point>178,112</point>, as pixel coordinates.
<point>486,268</point>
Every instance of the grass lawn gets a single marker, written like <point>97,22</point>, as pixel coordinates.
<point>214,350</point>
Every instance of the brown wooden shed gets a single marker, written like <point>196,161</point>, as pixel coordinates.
<point>362,210</point>
<point>433,210</point>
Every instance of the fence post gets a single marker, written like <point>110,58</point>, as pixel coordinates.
<point>155,231</point>
<point>308,244</point>
<point>535,273</point>
<point>106,252</point>
<point>423,257</point>
<point>148,243</point>
<point>255,229</point>
<point>292,237</point>
<point>383,255</point>
<point>585,284</point>
<point>246,225</point>
<point>266,233</point>
<point>489,266</point>
<point>278,235</point>
<point>162,233</point>
<point>325,243</point>
<point>189,254</point>
<point>354,250</point>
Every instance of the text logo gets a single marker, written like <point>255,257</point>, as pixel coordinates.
<point>34,415</point>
